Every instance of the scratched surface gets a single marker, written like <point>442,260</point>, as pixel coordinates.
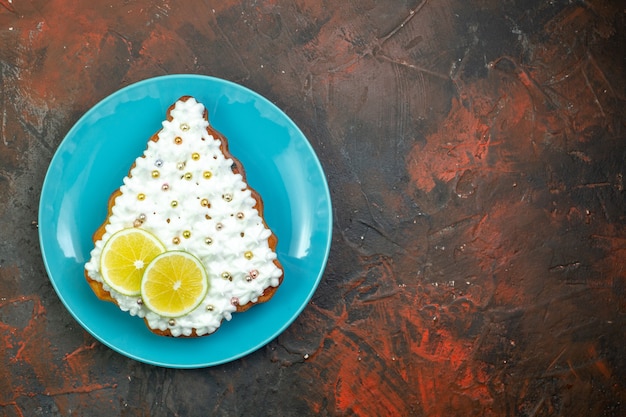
<point>475,152</point>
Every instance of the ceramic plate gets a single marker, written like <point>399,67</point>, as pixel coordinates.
<point>98,152</point>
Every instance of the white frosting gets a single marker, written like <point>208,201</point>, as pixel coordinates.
<point>229,221</point>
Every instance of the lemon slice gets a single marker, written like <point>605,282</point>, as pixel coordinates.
<point>174,283</point>
<point>125,257</point>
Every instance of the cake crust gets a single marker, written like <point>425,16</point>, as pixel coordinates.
<point>237,168</point>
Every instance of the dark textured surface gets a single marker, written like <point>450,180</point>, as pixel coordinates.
<point>476,157</point>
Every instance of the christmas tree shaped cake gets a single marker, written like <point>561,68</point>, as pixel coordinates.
<point>185,244</point>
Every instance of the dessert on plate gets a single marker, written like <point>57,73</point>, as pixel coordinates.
<point>185,244</point>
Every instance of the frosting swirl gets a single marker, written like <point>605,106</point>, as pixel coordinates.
<point>185,191</point>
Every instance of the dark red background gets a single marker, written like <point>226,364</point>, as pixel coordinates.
<point>475,152</point>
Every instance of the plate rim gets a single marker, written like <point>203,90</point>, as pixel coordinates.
<point>67,138</point>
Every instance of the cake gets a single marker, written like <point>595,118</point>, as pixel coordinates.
<point>192,195</point>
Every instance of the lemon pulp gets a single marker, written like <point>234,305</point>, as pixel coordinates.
<point>124,258</point>
<point>174,284</point>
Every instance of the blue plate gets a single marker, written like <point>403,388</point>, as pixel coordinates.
<point>98,152</point>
